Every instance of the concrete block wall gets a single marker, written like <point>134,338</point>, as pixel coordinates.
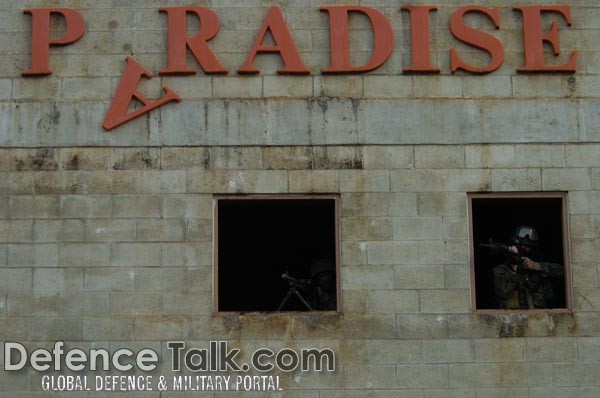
<point>106,238</point>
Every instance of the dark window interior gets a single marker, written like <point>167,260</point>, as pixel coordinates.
<point>261,239</point>
<point>497,218</point>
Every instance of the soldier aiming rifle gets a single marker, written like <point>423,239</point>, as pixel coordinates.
<point>524,281</point>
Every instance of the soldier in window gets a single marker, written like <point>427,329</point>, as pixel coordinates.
<point>524,281</point>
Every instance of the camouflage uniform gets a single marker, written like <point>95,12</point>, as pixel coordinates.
<point>525,288</point>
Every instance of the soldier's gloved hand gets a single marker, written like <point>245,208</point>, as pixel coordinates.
<point>530,264</point>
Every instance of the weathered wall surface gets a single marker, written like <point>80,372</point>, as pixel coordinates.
<point>106,237</point>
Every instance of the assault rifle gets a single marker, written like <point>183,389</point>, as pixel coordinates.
<point>497,247</point>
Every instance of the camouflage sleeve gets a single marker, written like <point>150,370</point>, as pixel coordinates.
<point>551,270</point>
<point>504,283</point>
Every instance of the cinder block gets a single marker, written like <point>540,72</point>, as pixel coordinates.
<point>421,228</point>
<point>237,87</point>
<point>187,254</point>
<point>314,327</point>
<point>422,326</point>
<point>15,280</point>
<point>370,326</point>
<point>54,329</point>
<point>288,86</point>
<point>448,351</point>
<point>30,303</point>
<point>57,280</point>
<point>503,350</point>
<point>262,182</point>
<point>566,179</point>
<point>396,351</point>
<point>439,157</point>
<point>135,158</point>
<point>58,230</point>
<point>582,155</point>
<point>160,328</point>
<point>557,392</point>
<point>338,157</point>
<point>472,326</point>
<point>491,87</point>
<point>391,204</point>
<point>135,303</point>
<point>188,206</point>
<point>109,279</point>
<point>422,376</point>
<point>184,158</point>
<point>418,277</point>
<point>204,328</point>
<point>41,159</point>
<point>17,329</point>
<point>391,253</point>
<point>34,206</point>
<point>85,206</point>
<point>135,254</point>
<point>388,157</point>
<point>165,230</point>
<point>437,87</point>
<point>16,231</point>
<point>589,349</point>
<point>516,180</point>
<point>104,230</point>
<point>211,181</point>
<point>490,156</point>
<point>37,255</point>
<point>313,181</point>
<point>199,303</point>
<point>540,155</point>
<point>83,255</point>
<point>370,376</point>
<point>192,87</point>
<point>393,301</point>
<point>584,250</point>
<point>86,88</point>
<point>136,206</point>
<point>91,159</point>
<point>199,229</point>
<point>584,202</point>
<point>354,253</point>
<point>112,328</point>
<point>445,301</point>
<point>352,204</point>
<point>441,204</point>
<point>552,349</point>
<point>364,181</point>
<point>338,86</point>
<point>83,304</point>
<point>161,279</point>
<point>287,158</point>
<point>357,277</point>
<point>235,158</point>
<point>576,374</point>
<point>36,89</point>
<point>582,226</point>
<point>388,86</point>
<point>265,327</point>
<point>172,181</point>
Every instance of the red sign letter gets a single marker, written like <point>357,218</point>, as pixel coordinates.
<point>127,92</point>
<point>179,41</point>
<point>338,31</point>
<point>534,39</point>
<point>40,36</point>
<point>284,45</point>
<point>419,39</point>
<point>477,39</point>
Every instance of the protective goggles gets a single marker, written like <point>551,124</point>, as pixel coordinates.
<point>527,232</point>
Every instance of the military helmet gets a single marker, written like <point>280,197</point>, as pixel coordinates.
<point>525,235</point>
